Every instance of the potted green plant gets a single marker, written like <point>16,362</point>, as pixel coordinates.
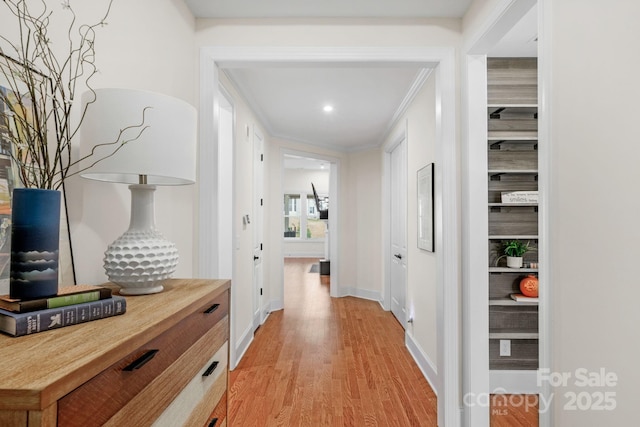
<point>514,250</point>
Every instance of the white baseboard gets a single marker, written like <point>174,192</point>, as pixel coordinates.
<point>265,312</point>
<point>425,364</point>
<point>276,305</point>
<point>346,291</point>
<point>304,255</point>
<point>242,345</point>
<point>514,382</point>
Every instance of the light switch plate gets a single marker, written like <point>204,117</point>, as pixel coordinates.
<point>505,348</point>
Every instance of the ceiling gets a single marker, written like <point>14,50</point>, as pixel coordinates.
<point>367,98</point>
<point>290,102</point>
<point>328,8</point>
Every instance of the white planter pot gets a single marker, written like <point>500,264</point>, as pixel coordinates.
<point>514,261</point>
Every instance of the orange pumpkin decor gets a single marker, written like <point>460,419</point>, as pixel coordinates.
<point>529,286</point>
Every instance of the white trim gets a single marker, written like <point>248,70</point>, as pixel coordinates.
<point>275,305</point>
<point>498,23</point>
<point>514,382</point>
<point>207,176</point>
<point>447,224</point>
<point>415,88</point>
<point>304,254</point>
<point>475,252</point>
<point>266,312</point>
<point>545,148</point>
<point>386,230</point>
<point>477,378</point>
<point>422,360</point>
<point>350,291</point>
<point>243,344</point>
<point>447,243</point>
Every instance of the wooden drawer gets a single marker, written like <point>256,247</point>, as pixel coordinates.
<point>99,399</point>
<point>196,401</point>
<point>218,417</point>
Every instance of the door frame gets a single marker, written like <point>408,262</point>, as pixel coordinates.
<point>258,227</point>
<point>447,229</point>
<point>476,379</point>
<point>334,216</point>
<point>386,213</point>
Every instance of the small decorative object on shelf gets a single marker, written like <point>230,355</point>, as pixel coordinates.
<point>513,250</point>
<point>35,243</point>
<point>142,259</point>
<point>529,286</point>
<point>519,197</point>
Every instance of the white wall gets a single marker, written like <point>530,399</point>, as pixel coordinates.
<point>363,219</point>
<point>594,204</point>
<point>419,121</point>
<point>299,180</point>
<point>421,295</point>
<point>135,56</point>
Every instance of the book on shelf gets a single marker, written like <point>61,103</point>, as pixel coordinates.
<point>19,324</point>
<point>522,298</point>
<point>519,197</point>
<point>67,295</point>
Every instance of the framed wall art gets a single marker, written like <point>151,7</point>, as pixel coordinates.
<point>425,208</point>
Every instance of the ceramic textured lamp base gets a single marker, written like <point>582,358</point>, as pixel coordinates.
<point>35,242</point>
<point>140,261</point>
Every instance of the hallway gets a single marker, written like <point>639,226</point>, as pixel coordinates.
<point>328,362</point>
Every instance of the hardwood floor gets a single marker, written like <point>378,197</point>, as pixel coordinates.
<point>339,362</point>
<point>514,410</point>
<point>328,362</point>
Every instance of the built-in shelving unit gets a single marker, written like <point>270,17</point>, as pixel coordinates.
<point>512,150</point>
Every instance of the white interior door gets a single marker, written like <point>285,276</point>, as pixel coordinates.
<point>398,251</point>
<point>258,218</point>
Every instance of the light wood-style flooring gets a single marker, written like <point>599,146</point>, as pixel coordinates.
<point>326,361</point>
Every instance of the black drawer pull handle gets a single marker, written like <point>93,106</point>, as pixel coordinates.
<point>213,422</point>
<point>210,369</point>
<point>211,309</point>
<point>141,361</point>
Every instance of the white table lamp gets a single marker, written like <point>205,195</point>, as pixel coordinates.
<point>141,259</point>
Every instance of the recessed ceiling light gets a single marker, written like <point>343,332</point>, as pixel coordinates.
<point>327,108</point>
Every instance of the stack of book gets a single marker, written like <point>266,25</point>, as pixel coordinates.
<point>72,305</point>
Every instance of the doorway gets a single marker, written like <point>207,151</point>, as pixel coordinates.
<point>398,229</point>
<point>443,61</point>
<point>310,224</point>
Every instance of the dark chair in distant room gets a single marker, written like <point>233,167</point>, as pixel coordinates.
<point>323,209</point>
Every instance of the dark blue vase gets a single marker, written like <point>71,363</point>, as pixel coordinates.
<point>35,243</point>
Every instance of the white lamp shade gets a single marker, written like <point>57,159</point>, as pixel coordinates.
<point>165,151</point>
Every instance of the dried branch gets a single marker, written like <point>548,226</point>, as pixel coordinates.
<point>36,108</point>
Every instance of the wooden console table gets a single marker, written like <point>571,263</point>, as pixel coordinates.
<point>164,362</point>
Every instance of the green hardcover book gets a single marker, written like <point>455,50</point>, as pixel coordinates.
<point>66,296</point>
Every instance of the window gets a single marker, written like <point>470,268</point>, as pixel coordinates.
<point>301,213</point>
<point>291,215</point>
